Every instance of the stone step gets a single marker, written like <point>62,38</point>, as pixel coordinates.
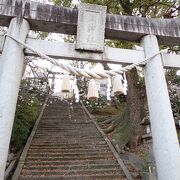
<point>72,167</point>
<point>68,163</point>
<point>65,125</point>
<point>59,150</point>
<point>63,128</point>
<point>68,141</point>
<point>49,143</point>
<point>60,136</point>
<point>75,126</point>
<point>71,143</point>
<point>65,132</point>
<point>67,145</point>
<point>65,154</point>
<point>85,177</point>
<point>66,135</point>
<point>45,172</point>
<point>58,158</point>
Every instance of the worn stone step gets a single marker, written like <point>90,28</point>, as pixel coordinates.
<point>58,158</point>
<point>59,126</point>
<point>66,130</point>
<point>89,177</point>
<point>72,162</point>
<point>68,141</point>
<point>59,136</point>
<point>62,143</point>
<point>65,123</point>
<point>73,124</point>
<point>76,125</point>
<point>65,154</point>
<point>63,129</point>
<point>67,126</point>
<point>55,116</point>
<point>44,172</point>
<point>49,143</point>
<point>64,137</point>
<point>75,167</point>
<point>59,150</point>
<point>67,145</point>
<point>68,135</point>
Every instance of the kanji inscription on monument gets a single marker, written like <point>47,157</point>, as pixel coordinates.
<point>91,27</point>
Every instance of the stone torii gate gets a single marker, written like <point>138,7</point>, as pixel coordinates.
<point>21,16</point>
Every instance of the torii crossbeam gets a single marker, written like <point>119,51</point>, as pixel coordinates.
<point>22,16</point>
<point>49,18</point>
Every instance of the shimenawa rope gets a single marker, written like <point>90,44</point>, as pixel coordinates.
<point>83,72</point>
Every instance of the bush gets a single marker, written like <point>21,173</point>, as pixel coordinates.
<point>26,113</point>
<point>19,134</point>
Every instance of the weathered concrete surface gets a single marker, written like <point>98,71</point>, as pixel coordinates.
<point>10,78</point>
<point>91,27</point>
<point>50,18</point>
<point>165,141</point>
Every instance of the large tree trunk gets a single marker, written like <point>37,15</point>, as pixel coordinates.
<point>135,101</point>
<point>135,107</point>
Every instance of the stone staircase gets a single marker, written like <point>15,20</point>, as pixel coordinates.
<point>68,146</point>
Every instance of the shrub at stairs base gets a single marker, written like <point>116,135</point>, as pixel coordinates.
<point>26,113</point>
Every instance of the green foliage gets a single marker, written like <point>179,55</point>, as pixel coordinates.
<point>69,38</point>
<point>119,100</point>
<point>112,6</point>
<point>27,110</point>
<point>147,8</point>
<point>141,82</point>
<point>64,3</point>
<point>43,35</point>
<point>145,157</point>
<point>171,77</point>
<point>119,44</point>
<point>174,93</point>
<point>178,133</point>
<point>26,113</point>
<point>93,106</point>
<point>19,134</point>
<point>177,80</point>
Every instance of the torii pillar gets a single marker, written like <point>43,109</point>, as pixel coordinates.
<point>10,78</point>
<point>165,141</point>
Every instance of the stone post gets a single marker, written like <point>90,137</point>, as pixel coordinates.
<point>10,78</point>
<point>165,142</point>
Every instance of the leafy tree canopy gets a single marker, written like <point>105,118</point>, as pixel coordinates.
<point>142,8</point>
